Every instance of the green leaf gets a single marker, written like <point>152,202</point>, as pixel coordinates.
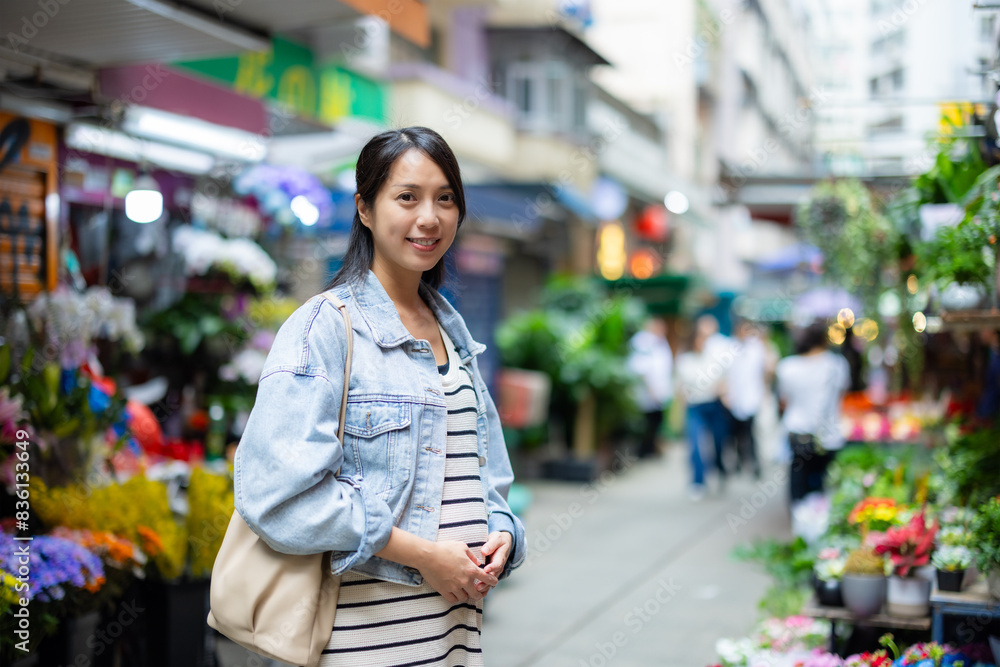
<point>5,355</point>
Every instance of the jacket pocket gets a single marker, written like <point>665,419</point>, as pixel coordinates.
<point>379,441</point>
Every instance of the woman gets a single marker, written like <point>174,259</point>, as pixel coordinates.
<point>811,386</point>
<point>413,502</point>
<point>700,374</point>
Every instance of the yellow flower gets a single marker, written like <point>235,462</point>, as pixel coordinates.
<point>7,588</point>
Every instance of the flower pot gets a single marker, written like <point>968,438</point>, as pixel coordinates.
<point>863,593</point>
<point>69,643</point>
<point>993,582</point>
<point>828,593</point>
<point>908,596</point>
<point>950,580</point>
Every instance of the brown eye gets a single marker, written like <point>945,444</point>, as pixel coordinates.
<point>406,196</point>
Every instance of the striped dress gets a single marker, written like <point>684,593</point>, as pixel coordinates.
<point>385,624</point>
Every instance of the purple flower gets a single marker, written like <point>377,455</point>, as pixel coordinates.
<point>53,562</point>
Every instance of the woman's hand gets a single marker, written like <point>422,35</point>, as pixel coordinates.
<point>452,570</point>
<point>496,551</point>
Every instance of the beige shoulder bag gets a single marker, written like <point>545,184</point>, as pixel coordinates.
<point>278,605</point>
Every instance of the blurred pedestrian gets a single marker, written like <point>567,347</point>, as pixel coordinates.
<point>413,502</point>
<point>745,387</point>
<point>811,387</point>
<point>721,349</point>
<point>699,381</point>
<point>652,360</point>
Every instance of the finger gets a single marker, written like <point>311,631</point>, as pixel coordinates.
<point>492,542</point>
<point>485,576</point>
<point>472,556</point>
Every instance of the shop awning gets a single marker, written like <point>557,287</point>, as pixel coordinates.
<point>107,33</point>
<point>516,210</point>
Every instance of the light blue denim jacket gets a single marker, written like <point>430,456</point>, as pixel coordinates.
<point>391,463</point>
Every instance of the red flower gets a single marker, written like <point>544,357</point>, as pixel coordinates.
<point>908,546</point>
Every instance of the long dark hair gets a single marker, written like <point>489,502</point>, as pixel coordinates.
<point>374,164</point>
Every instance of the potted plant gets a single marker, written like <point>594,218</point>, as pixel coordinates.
<point>951,562</point>
<point>827,573</point>
<point>909,547</point>
<point>863,582</point>
<point>986,537</point>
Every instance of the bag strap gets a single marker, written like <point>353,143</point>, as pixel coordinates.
<point>342,307</point>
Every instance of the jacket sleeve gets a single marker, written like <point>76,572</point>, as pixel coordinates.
<point>501,476</point>
<point>286,477</point>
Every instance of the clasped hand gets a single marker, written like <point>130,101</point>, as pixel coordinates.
<point>453,570</point>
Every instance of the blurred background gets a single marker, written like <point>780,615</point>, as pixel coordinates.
<point>668,200</point>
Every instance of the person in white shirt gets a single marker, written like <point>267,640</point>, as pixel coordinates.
<point>745,392</point>
<point>700,380</point>
<point>651,359</point>
<point>811,384</point>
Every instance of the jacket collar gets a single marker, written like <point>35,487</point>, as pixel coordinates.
<point>379,313</point>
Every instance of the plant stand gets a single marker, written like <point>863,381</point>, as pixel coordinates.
<point>973,601</point>
<point>833,614</point>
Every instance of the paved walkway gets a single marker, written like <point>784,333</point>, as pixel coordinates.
<point>627,572</point>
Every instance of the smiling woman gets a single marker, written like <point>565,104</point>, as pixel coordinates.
<point>413,502</point>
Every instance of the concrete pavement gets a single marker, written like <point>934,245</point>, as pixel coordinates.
<point>628,572</point>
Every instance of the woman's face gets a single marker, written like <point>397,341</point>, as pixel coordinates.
<point>415,216</point>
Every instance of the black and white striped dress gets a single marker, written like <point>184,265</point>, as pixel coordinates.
<point>385,624</point>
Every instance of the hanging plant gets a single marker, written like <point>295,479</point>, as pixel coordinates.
<point>967,252</point>
<point>856,240</point>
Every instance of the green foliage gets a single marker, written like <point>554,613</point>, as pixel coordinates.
<point>956,168</point>
<point>195,319</point>
<point>782,602</point>
<point>789,563</point>
<point>966,253</point>
<point>969,464</point>
<point>861,471</point>
<point>579,338</point>
<point>857,241</point>
<point>986,536</point>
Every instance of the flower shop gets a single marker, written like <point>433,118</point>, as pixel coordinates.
<point>135,317</point>
<point>897,561</point>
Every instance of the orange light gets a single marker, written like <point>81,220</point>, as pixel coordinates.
<point>644,264</point>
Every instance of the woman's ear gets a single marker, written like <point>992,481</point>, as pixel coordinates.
<point>362,210</point>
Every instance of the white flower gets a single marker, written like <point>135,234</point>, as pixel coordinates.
<point>240,258</point>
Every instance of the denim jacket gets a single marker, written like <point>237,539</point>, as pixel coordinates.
<point>303,491</point>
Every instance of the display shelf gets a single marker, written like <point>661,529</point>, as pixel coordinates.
<point>973,601</point>
<point>970,320</point>
<point>813,609</point>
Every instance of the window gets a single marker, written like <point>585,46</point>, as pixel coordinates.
<point>986,27</point>
<point>898,79</point>
<point>545,94</point>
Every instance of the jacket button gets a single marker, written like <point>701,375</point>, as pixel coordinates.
<point>482,461</point>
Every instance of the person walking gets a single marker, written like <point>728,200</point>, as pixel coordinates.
<point>651,359</point>
<point>811,386</point>
<point>412,502</point>
<point>699,381</point>
<point>745,387</point>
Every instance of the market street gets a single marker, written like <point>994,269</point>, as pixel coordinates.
<point>629,572</point>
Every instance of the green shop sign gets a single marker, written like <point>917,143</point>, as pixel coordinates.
<point>287,73</point>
